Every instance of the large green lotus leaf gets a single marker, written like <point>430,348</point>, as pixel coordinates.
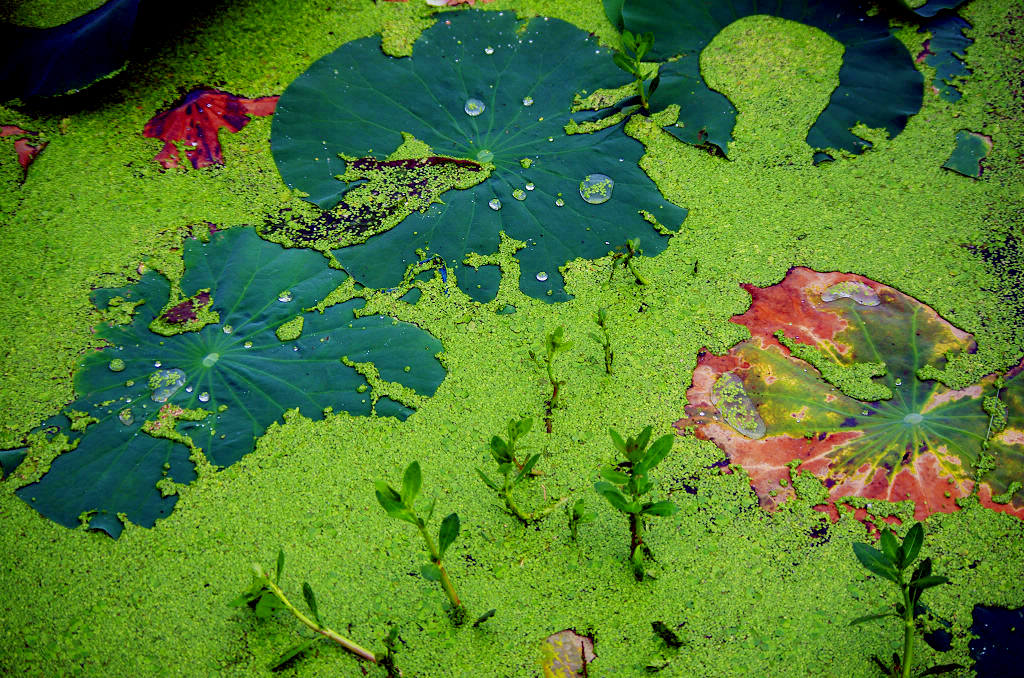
<point>944,51</point>
<point>878,84</point>
<point>889,433</point>
<point>357,102</point>
<point>219,387</point>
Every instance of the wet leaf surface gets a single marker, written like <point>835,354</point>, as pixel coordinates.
<point>878,84</point>
<point>195,119</point>
<point>872,342</point>
<point>478,88</point>
<point>147,396</point>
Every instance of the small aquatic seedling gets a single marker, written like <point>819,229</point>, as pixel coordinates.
<point>626,483</point>
<point>890,563</point>
<point>601,318</point>
<point>504,452</point>
<point>265,597</point>
<point>625,255</point>
<point>630,59</point>
<point>578,515</point>
<point>554,345</point>
<point>387,658</point>
<point>399,505</point>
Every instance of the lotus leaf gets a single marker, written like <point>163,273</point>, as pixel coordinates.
<point>483,87</point>
<point>878,84</point>
<point>944,52</point>
<point>148,400</point>
<point>835,375</point>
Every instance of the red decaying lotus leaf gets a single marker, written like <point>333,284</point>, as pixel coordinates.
<point>25,147</point>
<point>195,120</point>
<point>187,310</point>
<point>906,438</point>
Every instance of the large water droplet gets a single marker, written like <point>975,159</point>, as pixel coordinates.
<point>494,204</point>
<point>211,359</point>
<point>559,202</point>
<point>596,188</point>
<point>116,365</point>
<point>474,107</point>
<point>165,383</point>
<point>125,416</point>
<point>519,194</point>
<point>204,397</point>
<point>527,101</point>
<point>542,276</point>
<point>530,186</point>
<point>488,50</point>
<point>485,156</point>
<point>913,418</point>
<point>285,297</point>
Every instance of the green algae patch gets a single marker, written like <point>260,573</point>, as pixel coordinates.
<point>290,330</point>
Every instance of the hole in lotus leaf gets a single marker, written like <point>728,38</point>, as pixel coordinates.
<point>878,83</point>
<point>323,113</point>
<point>243,381</point>
<point>566,654</point>
<point>808,369</point>
<point>852,289</point>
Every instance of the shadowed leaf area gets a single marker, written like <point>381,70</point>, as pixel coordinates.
<point>148,401</point>
<point>878,84</point>
<point>487,88</point>
<point>854,410</point>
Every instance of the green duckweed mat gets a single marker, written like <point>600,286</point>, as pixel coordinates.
<point>747,590</point>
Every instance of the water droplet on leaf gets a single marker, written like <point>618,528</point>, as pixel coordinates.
<point>530,186</point>
<point>474,107</point>
<point>116,365</point>
<point>542,276</point>
<point>165,383</point>
<point>284,297</point>
<point>596,188</point>
<point>488,50</point>
<point>485,156</point>
<point>204,397</point>
<point>559,202</point>
<point>519,194</point>
<point>228,329</point>
<point>247,344</point>
<point>527,101</point>
<point>125,416</point>
<point>211,359</point>
<point>494,204</point>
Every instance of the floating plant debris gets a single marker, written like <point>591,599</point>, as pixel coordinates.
<point>971,148</point>
<point>323,113</point>
<point>195,119</point>
<point>817,393</point>
<point>878,83</point>
<point>242,380</point>
<point>26,147</point>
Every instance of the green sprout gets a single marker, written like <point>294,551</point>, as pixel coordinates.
<point>399,505</point>
<point>577,516</point>
<point>387,658</point>
<point>630,59</point>
<point>504,452</point>
<point>601,318</point>
<point>265,597</point>
<point>890,563</point>
<point>626,483</point>
<point>626,254</point>
<point>554,345</point>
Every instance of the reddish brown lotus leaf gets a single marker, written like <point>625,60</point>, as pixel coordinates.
<point>901,438</point>
<point>187,310</point>
<point>195,120</point>
<point>566,654</point>
<point>25,147</point>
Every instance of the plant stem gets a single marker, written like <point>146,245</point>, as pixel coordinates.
<point>357,650</point>
<point>528,518</point>
<point>908,629</point>
<point>640,280</point>
<point>552,404</point>
<point>446,583</point>
<point>636,539</point>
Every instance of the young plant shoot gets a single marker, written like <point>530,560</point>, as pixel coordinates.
<point>554,345</point>
<point>890,563</point>
<point>513,472</point>
<point>578,514</point>
<point>265,597</point>
<point>399,505</point>
<point>625,257</point>
<point>601,318</point>
<point>630,59</point>
<point>625,484</point>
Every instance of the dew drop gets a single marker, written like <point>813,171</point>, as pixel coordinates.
<point>519,194</point>
<point>494,204</point>
<point>542,276</point>
<point>530,186</point>
<point>247,344</point>
<point>228,329</point>
<point>898,382</point>
<point>188,389</point>
<point>204,397</point>
<point>527,101</point>
<point>551,138</point>
<point>474,107</point>
<point>211,359</point>
<point>116,365</point>
<point>559,202</point>
<point>165,383</point>
<point>485,156</point>
<point>488,50</point>
<point>596,188</point>
<point>125,416</point>
<point>285,297</point>
<point>157,364</point>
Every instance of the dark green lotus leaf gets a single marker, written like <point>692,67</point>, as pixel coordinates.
<point>878,84</point>
<point>890,433</point>
<point>971,148</point>
<point>356,101</point>
<point>944,51</point>
<point>146,396</point>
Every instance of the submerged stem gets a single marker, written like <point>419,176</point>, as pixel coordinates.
<point>446,582</point>
<point>908,629</point>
